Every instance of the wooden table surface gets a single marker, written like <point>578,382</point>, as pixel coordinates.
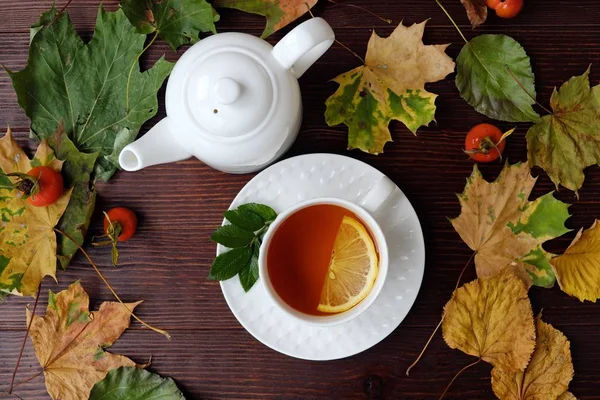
<point>211,356</point>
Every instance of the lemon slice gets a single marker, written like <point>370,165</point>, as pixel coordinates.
<point>352,269</point>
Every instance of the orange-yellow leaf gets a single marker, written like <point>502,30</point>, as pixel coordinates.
<point>578,269</point>
<point>27,238</point>
<point>491,318</point>
<point>69,342</point>
<point>548,374</point>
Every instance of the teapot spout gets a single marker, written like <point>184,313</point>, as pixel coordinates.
<point>157,146</point>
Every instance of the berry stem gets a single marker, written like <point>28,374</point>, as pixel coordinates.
<point>162,332</point>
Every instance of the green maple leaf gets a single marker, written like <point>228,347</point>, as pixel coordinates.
<point>279,13</point>
<point>85,85</point>
<point>484,78</point>
<point>567,141</point>
<point>76,172</point>
<point>135,383</point>
<point>391,85</point>
<point>177,21</point>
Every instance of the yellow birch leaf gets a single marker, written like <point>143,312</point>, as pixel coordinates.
<point>69,342</point>
<point>391,85</point>
<point>491,318</point>
<point>505,229</point>
<point>27,237</point>
<point>548,374</point>
<point>578,269</point>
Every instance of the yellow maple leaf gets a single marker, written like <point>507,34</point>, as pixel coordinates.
<point>548,374</point>
<point>27,237</point>
<point>69,342</point>
<point>391,85</point>
<point>505,229</point>
<point>491,318</point>
<point>578,269</point>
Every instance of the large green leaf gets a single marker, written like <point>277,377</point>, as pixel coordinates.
<point>133,383</point>
<point>85,85</point>
<point>484,78</point>
<point>177,21</point>
<point>567,141</point>
<point>76,173</point>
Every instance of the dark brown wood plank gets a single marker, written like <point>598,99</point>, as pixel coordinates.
<point>212,356</point>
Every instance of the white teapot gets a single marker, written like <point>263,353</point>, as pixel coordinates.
<point>233,101</point>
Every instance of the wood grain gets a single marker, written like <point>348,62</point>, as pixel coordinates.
<point>166,264</point>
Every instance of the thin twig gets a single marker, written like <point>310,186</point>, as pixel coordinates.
<point>452,20</point>
<point>62,10</point>
<point>386,20</point>
<point>133,64</point>
<point>456,376</point>
<point>525,90</point>
<point>362,60</point>
<point>162,332</point>
<point>441,320</point>
<point>14,375</point>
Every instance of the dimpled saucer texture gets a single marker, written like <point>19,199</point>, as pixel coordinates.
<point>327,175</point>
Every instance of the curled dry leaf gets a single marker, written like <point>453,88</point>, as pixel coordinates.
<point>505,229</point>
<point>391,85</point>
<point>492,319</point>
<point>548,374</point>
<point>279,13</point>
<point>578,269</point>
<point>27,237</point>
<point>477,11</point>
<point>567,141</point>
<point>69,342</point>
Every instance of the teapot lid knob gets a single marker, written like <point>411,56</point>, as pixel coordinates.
<point>227,90</point>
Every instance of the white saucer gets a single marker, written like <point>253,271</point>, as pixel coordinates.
<point>327,175</point>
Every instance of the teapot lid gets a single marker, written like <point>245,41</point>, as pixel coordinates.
<point>228,91</point>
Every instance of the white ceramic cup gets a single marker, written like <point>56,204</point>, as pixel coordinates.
<point>367,205</point>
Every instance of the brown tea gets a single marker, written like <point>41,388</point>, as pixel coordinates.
<point>299,254</point>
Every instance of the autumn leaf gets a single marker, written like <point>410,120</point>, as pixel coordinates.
<point>391,85</point>
<point>84,85</point>
<point>566,142</point>
<point>279,13</point>
<point>505,229</point>
<point>76,173</point>
<point>490,70</point>
<point>135,383</point>
<point>491,319</point>
<point>578,269</point>
<point>477,11</point>
<point>178,22</point>
<point>567,396</point>
<point>548,373</point>
<point>27,237</point>
<point>69,342</point>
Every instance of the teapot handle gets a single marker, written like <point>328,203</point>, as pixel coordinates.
<point>304,45</point>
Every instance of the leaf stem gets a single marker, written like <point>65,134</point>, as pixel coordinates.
<point>362,60</point>
<point>162,332</point>
<point>386,20</point>
<point>14,375</point>
<point>23,382</point>
<point>525,90</point>
<point>133,64</point>
<point>452,20</point>
<point>441,320</point>
<point>457,375</point>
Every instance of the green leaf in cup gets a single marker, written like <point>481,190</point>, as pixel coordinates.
<point>249,223</point>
